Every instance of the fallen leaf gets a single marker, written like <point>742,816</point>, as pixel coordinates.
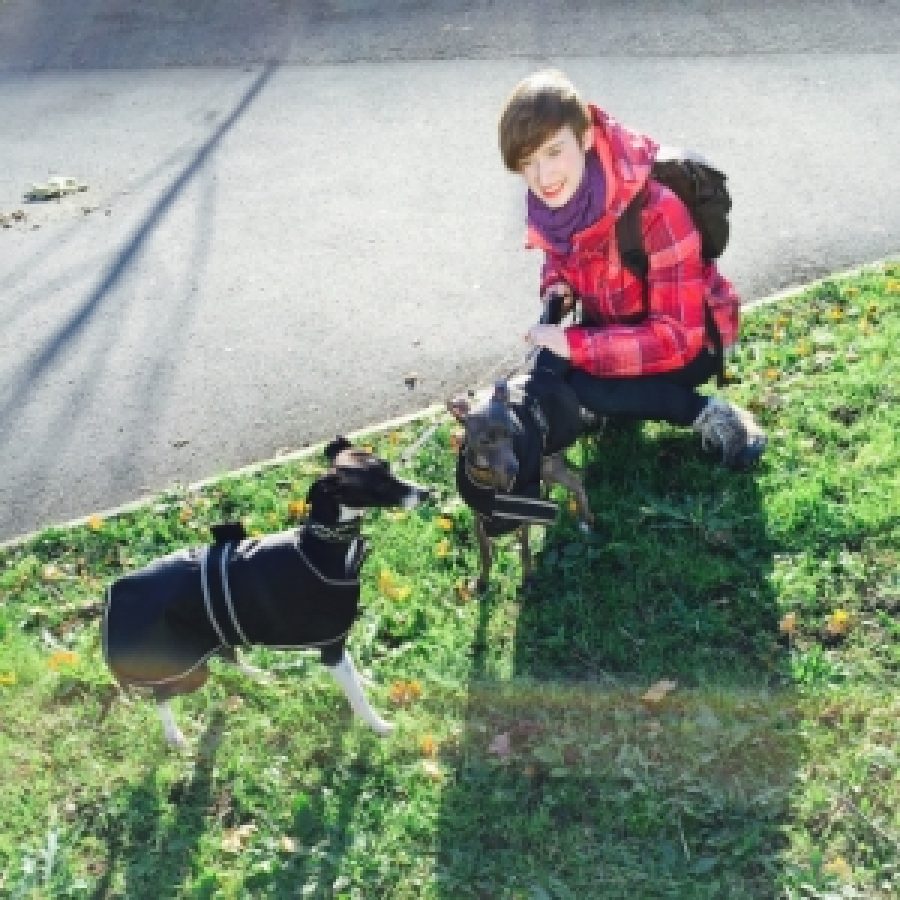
<point>455,441</point>
<point>387,585</point>
<point>499,746</point>
<point>234,839</point>
<point>463,591</point>
<point>432,770</point>
<point>657,692</point>
<point>788,624</point>
<point>839,867</point>
<point>287,844</point>
<point>61,658</point>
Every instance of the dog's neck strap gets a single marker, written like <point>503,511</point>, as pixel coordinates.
<point>340,533</point>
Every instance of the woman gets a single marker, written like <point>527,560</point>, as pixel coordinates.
<point>582,169</point>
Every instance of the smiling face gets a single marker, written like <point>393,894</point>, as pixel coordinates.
<point>554,170</point>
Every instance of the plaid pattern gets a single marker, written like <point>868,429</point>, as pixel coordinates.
<point>611,342</point>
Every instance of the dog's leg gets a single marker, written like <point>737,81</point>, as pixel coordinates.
<point>484,554</point>
<point>524,551</point>
<point>172,732</point>
<point>347,677</point>
<point>555,471</point>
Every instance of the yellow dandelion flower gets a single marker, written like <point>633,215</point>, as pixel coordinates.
<point>428,746</point>
<point>445,523</point>
<point>402,693</point>
<point>61,658</point>
<point>443,548</point>
<point>95,523</point>
<point>394,438</point>
<point>838,623</point>
<point>7,679</point>
<point>297,509</point>
<point>892,287</point>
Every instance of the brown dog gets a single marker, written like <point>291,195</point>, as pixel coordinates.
<point>510,448</point>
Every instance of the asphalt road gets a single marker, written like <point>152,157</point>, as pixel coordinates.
<point>290,210</point>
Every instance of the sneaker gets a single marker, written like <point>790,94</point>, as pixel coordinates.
<point>732,431</point>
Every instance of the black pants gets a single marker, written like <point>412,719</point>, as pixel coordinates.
<point>671,397</point>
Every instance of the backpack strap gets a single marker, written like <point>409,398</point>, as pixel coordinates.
<point>630,239</point>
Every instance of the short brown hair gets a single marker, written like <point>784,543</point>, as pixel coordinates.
<point>537,108</point>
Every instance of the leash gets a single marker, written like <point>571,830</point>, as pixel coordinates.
<point>552,315</point>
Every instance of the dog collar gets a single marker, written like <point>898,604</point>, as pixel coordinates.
<point>503,507</point>
<point>515,508</point>
<point>335,534</point>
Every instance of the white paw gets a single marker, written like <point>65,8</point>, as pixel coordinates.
<point>584,527</point>
<point>382,728</point>
<point>177,741</point>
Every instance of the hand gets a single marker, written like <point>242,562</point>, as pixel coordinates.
<point>552,337</point>
<point>559,293</point>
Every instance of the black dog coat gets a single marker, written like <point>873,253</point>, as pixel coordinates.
<point>549,420</point>
<point>164,621</point>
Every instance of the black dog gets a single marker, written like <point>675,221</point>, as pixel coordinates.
<point>298,588</point>
<point>509,449</point>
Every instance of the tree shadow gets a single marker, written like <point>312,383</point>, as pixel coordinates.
<point>646,744</point>
<point>150,849</point>
<point>153,840</point>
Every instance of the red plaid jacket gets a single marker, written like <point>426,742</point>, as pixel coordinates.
<point>615,339</point>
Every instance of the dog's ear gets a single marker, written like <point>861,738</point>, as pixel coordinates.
<point>228,532</point>
<point>459,408</point>
<point>501,391</point>
<point>336,446</point>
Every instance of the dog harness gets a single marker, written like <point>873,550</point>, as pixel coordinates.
<point>164,621</point>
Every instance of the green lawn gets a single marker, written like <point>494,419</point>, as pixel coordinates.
<point>529,759</point>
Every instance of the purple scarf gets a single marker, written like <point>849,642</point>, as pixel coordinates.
<point>583,209</point>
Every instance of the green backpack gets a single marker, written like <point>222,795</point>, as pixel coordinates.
<point>702,189</point>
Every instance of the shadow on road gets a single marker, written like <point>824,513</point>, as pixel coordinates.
<point>94,326</point>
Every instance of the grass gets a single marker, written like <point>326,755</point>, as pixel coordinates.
<point>530,760</point>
